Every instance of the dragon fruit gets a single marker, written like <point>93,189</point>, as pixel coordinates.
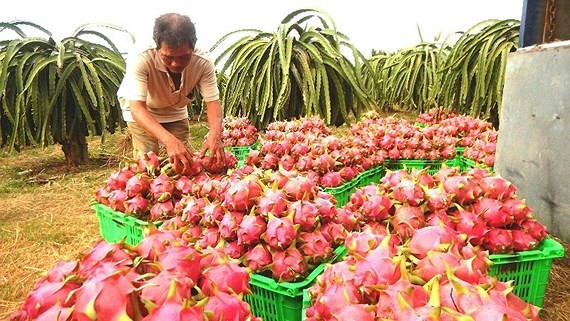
<point>226,277</point>
<point>258,257</point>
<point>407,219</point>
<point>242,194</point>
<point>162,188</point>
<point>159,288</point>
<point>250,229</point>
<point>280,232</point>
<point>314,246</point>
<point>288,265</point>
<point>106,297</point>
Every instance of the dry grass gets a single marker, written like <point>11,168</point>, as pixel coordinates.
<point>45,215</point>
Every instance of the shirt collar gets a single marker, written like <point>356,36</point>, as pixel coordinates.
<point>158,63</point>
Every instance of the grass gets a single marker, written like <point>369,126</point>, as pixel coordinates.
<point>45,215</point>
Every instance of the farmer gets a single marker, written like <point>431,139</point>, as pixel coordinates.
<point>159,83</point>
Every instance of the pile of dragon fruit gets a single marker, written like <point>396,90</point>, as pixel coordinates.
<point>276,223</point>
<point>162,278</point>
<point>434,275</point>
<point>151,189</point>
<point>306,145</point>
<point>477,203</point>
<point>397,139</point>
<point>476,136</point>
<point>238,131</point>
<point>482,150</point>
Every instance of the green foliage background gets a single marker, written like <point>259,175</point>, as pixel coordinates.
<point>51,90</point>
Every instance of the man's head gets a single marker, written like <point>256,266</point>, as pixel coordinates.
<point>175,38</point>
<point>174,30</point>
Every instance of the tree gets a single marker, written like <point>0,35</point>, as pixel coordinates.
<point>297,71</point>
<point>475,69</point>
<point>59,92</point>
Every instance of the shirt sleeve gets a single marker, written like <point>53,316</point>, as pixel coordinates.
<point>208,85</point>
<point>136,79</point>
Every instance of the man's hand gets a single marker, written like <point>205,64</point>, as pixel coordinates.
<point>213,144</point>
<point>213,141</point>
<point>179,155</point>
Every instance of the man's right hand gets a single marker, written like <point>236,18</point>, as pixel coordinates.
<point>179,155</point>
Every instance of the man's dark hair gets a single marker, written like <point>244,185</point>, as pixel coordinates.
<point>175,30</point>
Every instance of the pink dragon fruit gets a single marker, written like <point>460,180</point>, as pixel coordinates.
<point>235,250</point>
<point>250,229</point>
<point>118,180</point>
<point>273,201</point>
<point>224,306</point>
<point>288,265</point>
<point>258,258</point>
<point>182,259</point>
<point>117,199</point>
<point>334,232</point>
<point>229,225</point>
<point>280,232</point>
<point>227,277</point>
<point>137,206</point>
<point>105,297</point>
<point>497,187</point>
<point>162,210</point>
<point>158,289</point>
<point>471,224</point>
<point>498,240</point>
<point>162,188</point>
<point>434,238</point>
<point>314,246</point>
<point>408,192</point>
<point>493,212</point>
<point>464,189</point>
<point>305,214</point>
<point>47,295</point>
<point>242,194</point>
<point>56,313</point>
<point>300,187</point>
<point>138,185</point>
<point>212,214</point>
<point>173,309</point>
<point>407,219</point>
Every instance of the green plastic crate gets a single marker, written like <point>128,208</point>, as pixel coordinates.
<point>469,163</point>
<point>283,301</point>
<point>372,175</point>
<point>116,226</point>
<point>529,270</point>
<point>241,152</point>
<point>432,165</point>
<point>460,150</point>
<point>306,303</point>
<point>343,192</point>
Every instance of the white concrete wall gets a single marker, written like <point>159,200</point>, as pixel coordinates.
<point>533,148</point>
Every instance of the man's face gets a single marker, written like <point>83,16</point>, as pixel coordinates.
<point>175,58</point>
